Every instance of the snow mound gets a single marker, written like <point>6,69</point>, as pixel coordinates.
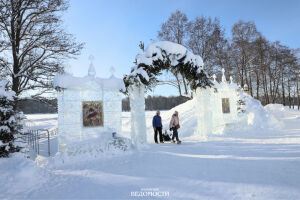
<point>187,118</point>
<point>279,110</point>
<point>88,150</point>
<point>19,175</point>
<point>253,118</point>
<point>256,117</point>
<point>274,107</point>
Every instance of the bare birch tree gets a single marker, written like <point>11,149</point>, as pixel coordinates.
<point>175,30</point>
<point>34,45</point>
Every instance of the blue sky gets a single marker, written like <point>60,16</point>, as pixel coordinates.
<point>111,30</point>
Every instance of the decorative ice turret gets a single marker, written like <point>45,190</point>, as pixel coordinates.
<point>88,107</point>
<point>92,70</point>
<point>214,78</point>
<point>223,76</point>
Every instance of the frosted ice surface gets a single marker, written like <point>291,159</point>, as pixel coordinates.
<point>79,89</point>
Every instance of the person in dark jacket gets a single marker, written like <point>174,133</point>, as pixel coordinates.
<point>157,126</point>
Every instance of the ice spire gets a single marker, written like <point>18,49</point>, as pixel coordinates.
<point>223,76</point>
<point>214,77</point>
<point>231,80</point>
<point>92,71</point>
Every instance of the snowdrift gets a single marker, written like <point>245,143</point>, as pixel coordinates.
<point>89,150</point>
<point>187,117</point>
<point>256,116</point>
<point>19,174</point>
<point>277,109</point>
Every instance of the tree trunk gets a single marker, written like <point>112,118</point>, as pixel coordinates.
<point>250,85</point>
<point>257,84</point>
<point>297,89</point>
<point>185,84</point>
<point>289,91</point>
<point>266,89</point>
<point>242,78</point>
<point>282,87</point>
<point>178,84</point>
<point>290,99</point>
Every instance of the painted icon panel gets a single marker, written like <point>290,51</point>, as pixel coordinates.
<point>92,113</point>
<point>225,105</point>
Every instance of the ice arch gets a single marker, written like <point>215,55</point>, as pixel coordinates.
<point>159,56</point>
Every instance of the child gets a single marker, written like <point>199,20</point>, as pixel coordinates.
<point>166,136</point>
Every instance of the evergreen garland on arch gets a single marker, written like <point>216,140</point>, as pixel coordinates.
<point>195,75</point>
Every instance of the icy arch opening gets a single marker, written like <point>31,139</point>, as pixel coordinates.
<point>157,57</point>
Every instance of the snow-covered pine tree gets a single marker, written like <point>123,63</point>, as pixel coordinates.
<point>8,121</point>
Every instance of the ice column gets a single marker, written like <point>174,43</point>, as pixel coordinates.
<point>203,112</point>
<point>137,107</point>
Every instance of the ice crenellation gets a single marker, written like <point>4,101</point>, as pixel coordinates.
<point>69,81</point>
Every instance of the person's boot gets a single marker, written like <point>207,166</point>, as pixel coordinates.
<point>172,141</point>
<point>178,142</point>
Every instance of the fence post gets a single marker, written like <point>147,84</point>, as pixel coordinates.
<point>33,140</point>
<point>38,142</point>
<point>48,143</point>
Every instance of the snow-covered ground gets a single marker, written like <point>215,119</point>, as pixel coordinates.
<point>242,164</point>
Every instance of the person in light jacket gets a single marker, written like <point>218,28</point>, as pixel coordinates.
<point>157,126</point>
<point>174,125</point>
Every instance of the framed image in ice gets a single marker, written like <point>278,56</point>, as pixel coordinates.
<point>92,113</point>
<point>225,105</point>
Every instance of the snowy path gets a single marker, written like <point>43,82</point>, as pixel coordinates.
<point>210,170</point>
<point>265,165</point>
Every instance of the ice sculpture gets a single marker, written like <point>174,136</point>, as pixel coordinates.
<point>216,107</point>
<point>88,107</point>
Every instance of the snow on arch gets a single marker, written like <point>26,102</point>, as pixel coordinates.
<point>178,51</point>
<point>164,55</point>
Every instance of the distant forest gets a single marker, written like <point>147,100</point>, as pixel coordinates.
<point>157,102</point>
<point>30,106</point>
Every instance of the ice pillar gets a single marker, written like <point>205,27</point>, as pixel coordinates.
<point>203,112</point>
<point>137,107</point>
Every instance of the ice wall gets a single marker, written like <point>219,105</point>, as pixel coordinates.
<point>209,112</point>
<point>70,124</point>
<point>221,119</point>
